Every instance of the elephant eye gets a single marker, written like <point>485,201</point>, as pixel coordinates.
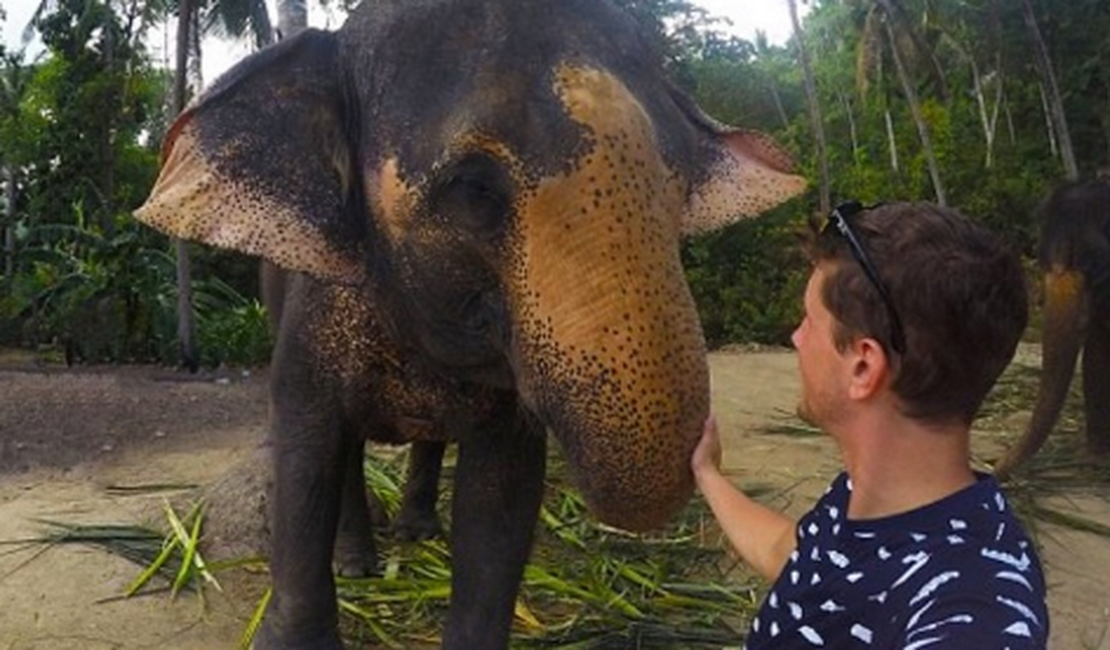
<point>474,196</point>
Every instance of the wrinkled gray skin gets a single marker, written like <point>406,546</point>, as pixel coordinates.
<point>1075,260</point>
<point>478,205</point>
<point>354,554</point>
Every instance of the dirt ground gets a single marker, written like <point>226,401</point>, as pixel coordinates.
<point>70,439</point>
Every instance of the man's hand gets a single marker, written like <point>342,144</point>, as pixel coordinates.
<point>762,537</point>
<point>707,455</point>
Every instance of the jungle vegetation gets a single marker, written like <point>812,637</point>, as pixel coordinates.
<point>980,104</point>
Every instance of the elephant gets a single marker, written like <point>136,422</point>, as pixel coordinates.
<point>1074,257</point>
<point>479,206</point>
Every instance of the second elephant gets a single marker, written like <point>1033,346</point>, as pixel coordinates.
<point>1075,261</point>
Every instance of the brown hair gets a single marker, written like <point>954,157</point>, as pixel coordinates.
<point>958,289</point>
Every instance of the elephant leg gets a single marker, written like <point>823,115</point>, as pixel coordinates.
<point>1096,388</point>
<point>418,519</point>
<point>305,503</point>
<point>355,554</point>
<point>498,489</point>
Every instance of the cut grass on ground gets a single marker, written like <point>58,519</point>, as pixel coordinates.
<point>587,585</point>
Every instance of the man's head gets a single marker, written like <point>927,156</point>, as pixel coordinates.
<point>956,297</point>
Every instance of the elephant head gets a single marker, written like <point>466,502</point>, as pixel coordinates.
<point>1075,261</point>
<point>513,179</point>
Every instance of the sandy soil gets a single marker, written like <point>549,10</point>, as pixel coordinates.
<point>67,437</point>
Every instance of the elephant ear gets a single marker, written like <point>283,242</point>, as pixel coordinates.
<point>260,164</point>
<point>747,173</point>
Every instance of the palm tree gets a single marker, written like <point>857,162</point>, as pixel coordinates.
<point>224,17</point>
<point>765,62</point>
<point>186,315</point>
<point>14,78</point>
<point>988,116</point>
<point>237,19</point>
<point>232,17</point>
<point>292,17</point>
<point>816,121</point>
<point>1053,101</point>
<point>886,29</point>
<point>918,118</point>
<point>9,219</point>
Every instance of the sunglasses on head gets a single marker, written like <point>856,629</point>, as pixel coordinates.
<point>839,223</point>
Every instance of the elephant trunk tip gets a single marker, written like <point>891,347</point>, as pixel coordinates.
<point>641,510</point>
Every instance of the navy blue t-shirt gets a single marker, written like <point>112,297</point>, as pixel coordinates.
<point>956,574</point>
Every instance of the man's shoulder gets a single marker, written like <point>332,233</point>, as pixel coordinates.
<point>971,608</point>
<point>993,554</point>
<point>992,581</point>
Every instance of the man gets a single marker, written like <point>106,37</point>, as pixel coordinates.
<point>911,313</point>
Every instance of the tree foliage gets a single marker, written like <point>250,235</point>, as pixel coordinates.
<point>79,136</point>
<point>79,128</point>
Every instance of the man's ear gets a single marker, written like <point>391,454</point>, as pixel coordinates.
<point>260,163</point>
<point>870,367</point>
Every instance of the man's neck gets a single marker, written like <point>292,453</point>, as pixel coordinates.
<point>898,465</point>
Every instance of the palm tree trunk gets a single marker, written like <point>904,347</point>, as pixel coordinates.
<point>194,78</point>
<point>186,316</point>
<point>292,17</point>
<point>1049,129</point>
<point>816,121</point>
<point>9,221</point>
<point>891,141</point>
<point>1055,102</point>
<point>999,96</point>
<point>919,120</point>
<point>981,105</point>
<point>1010,128</point>
<point>779,110</point>
<point>107,141</point>
<point>846,104</point>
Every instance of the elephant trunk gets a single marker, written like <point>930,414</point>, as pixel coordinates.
<point>628,410</point>
<point>610,356</point>
<point>1066,319</point>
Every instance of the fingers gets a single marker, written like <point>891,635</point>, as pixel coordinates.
<point>707,454</point>
<point>710,429</point>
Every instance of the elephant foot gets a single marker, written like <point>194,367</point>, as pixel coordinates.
<point>414,526</point>
<point>355,566</point>
<point>354,558</point>
<point>268,639</point>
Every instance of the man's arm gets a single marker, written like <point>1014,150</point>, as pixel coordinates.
<point>761,536</point>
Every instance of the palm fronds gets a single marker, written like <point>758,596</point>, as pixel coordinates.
<point>587,586</point>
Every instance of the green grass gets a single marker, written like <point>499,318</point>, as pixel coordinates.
<point>587,586</point>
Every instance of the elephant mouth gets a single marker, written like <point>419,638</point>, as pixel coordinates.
<point>462,338</point>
